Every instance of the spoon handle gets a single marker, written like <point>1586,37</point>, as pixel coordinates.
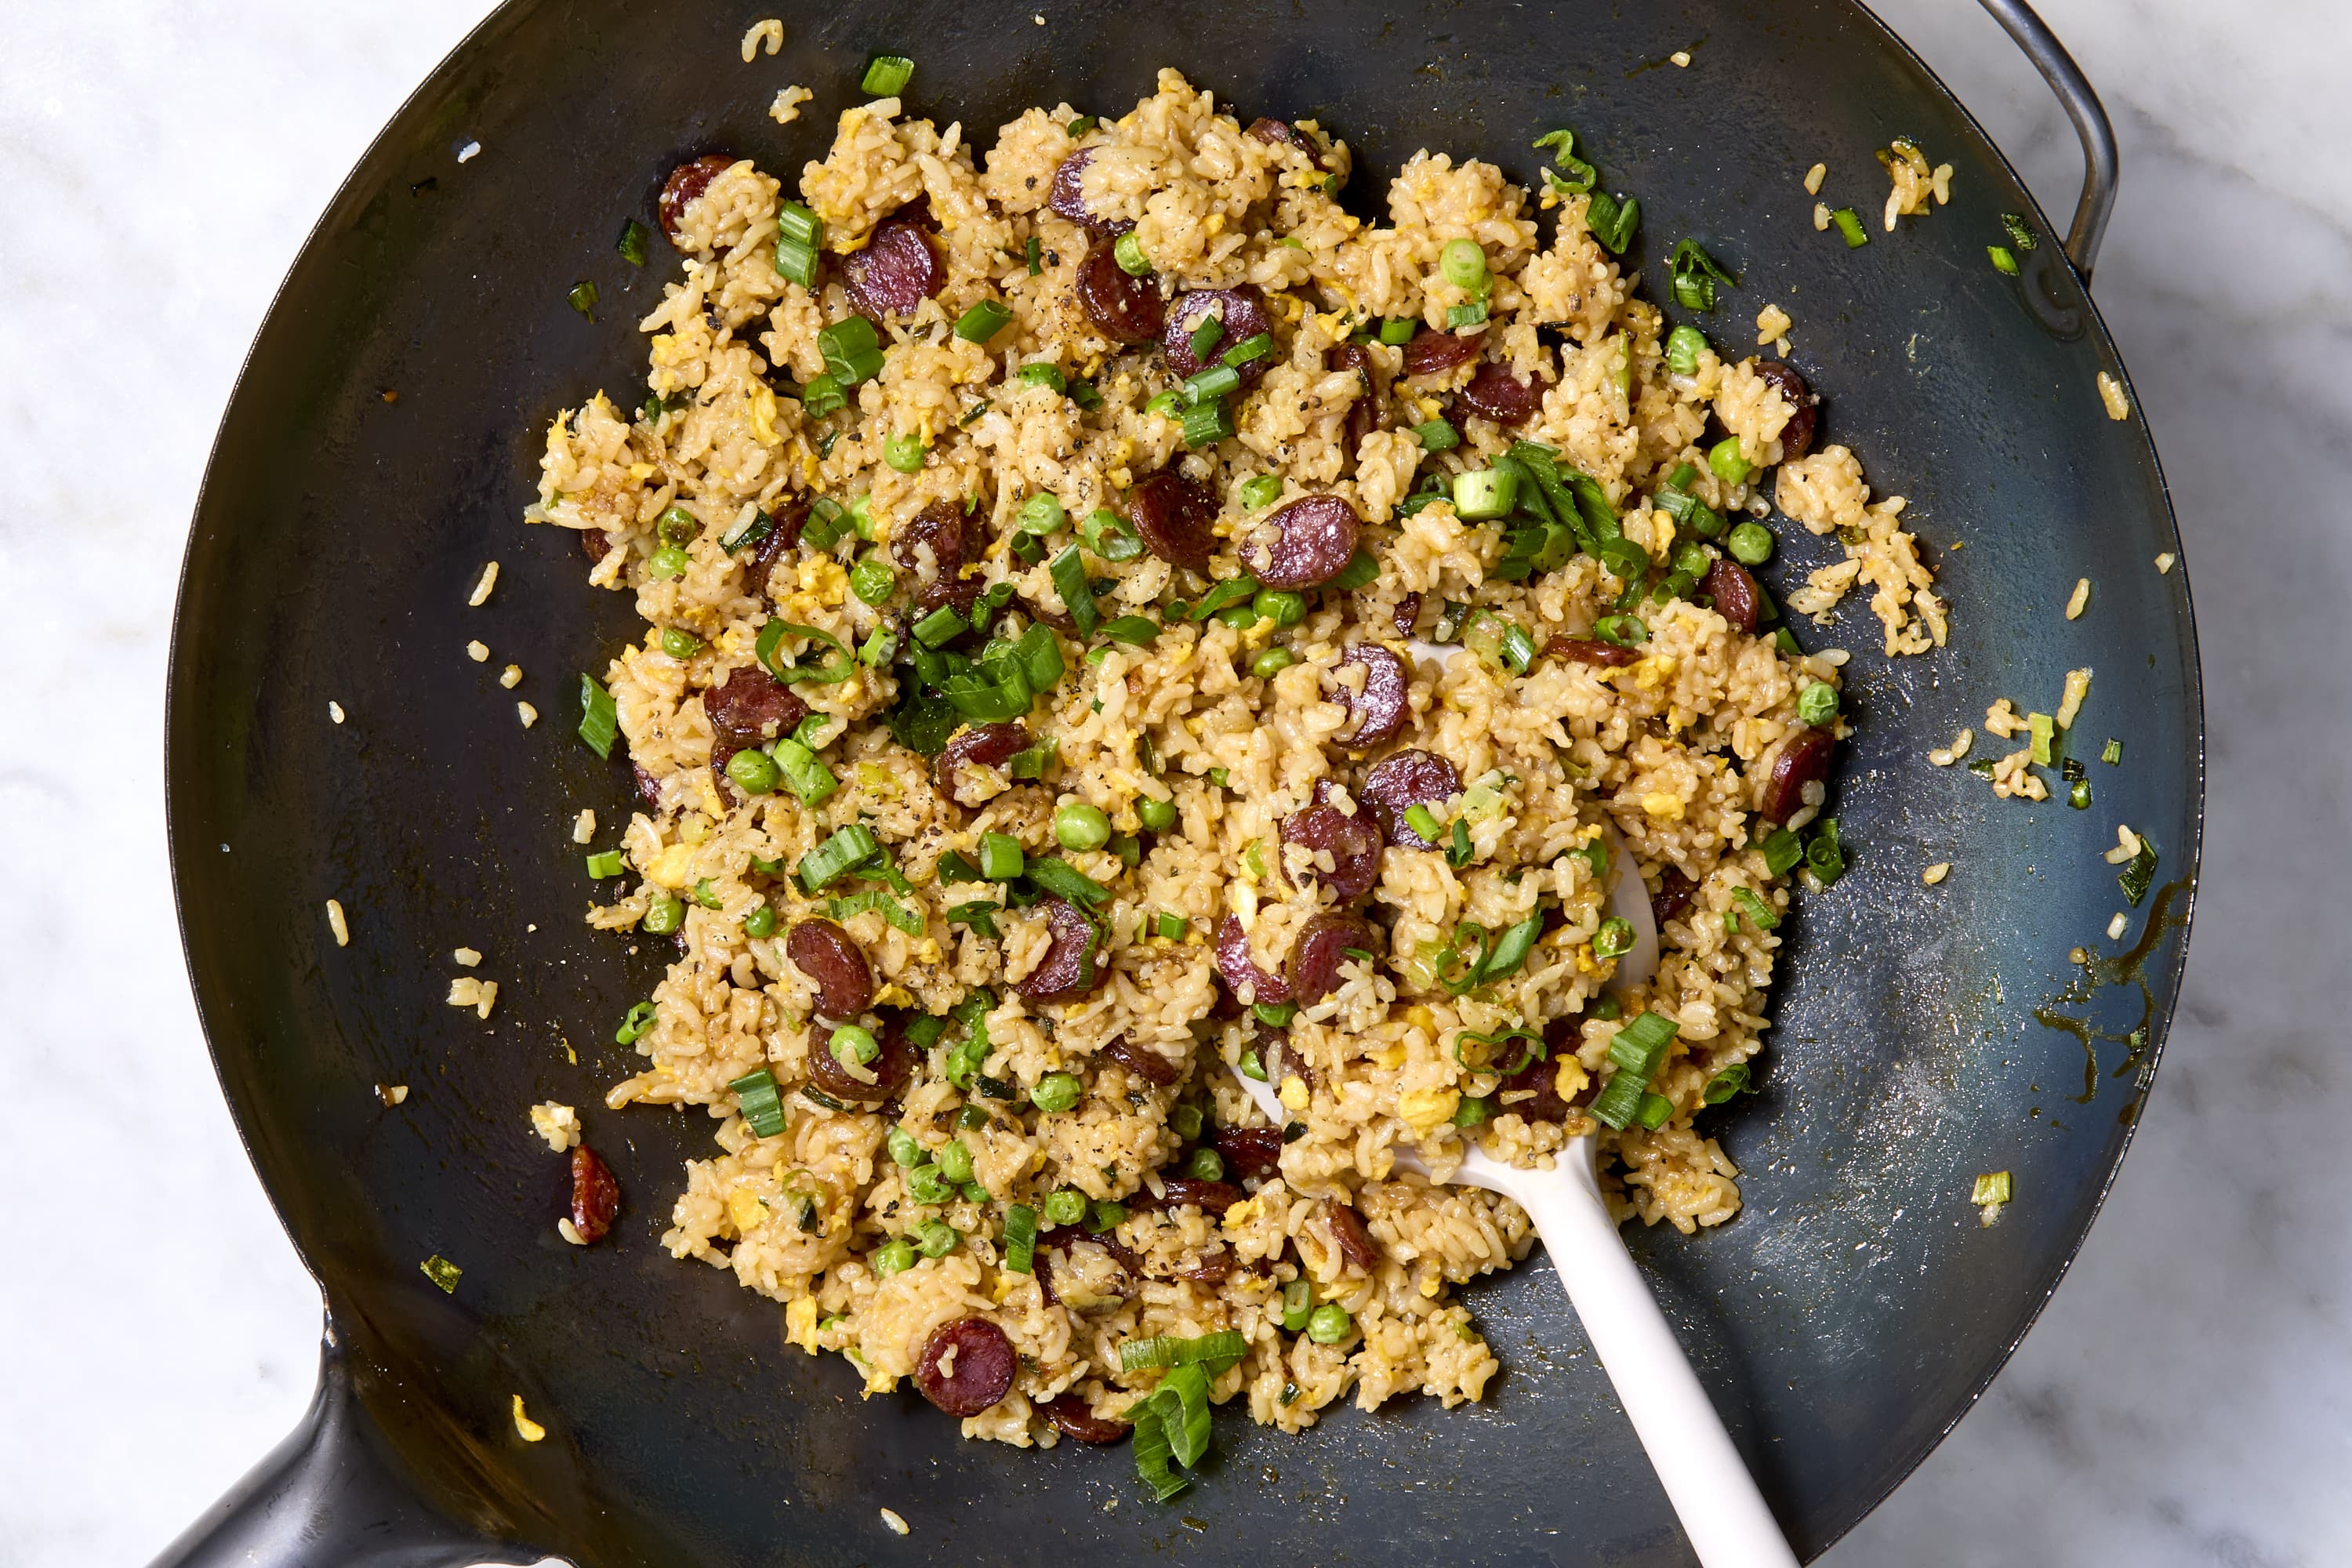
<point>1705,1480</point>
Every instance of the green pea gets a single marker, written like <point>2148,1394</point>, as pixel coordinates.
<point>1081,826</point>
<point>1240,618</point>
<point>854,1047</point>
<point>678,526</point>
<point>973,1193</point>
<point>955,1161</point>
<point>1817,703</point>
<point>761,922</point>
<point>1280,607</point>
<point>753,771</point>
<point>1207,1164</point>
<point>1185,1121</point>
<point>935,1239</point>
<point>925,1184</point>
<point>894,1256</point>
<point>1129,254</point>
<point>679,643</point>
<point>904,453</point>
<point>1750,544</point>
<point>1272,662</point>
<point>904,1148</point>
<point>664,915</point>
<point>872,581</point>
<point>1330,1323</point>
<point>668,562</point>
<point>1157,814</point>
<point>1057,1091</point>
<point>1724,458</point>
<point>1064,1205</point>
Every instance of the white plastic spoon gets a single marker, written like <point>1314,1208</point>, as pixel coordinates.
<point>1704,1478</point>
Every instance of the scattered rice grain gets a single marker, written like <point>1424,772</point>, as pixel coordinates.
<point>2082,596</point>
<point>2111,393</point>
<point>770,32</point>
<point>489,580</point>
<point>336,923</point>
<point>1937,872</point>
<point>479,652</point>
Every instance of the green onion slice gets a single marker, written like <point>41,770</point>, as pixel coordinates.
<point>848,848</point>
<point>1732,1080</point>
<point>1020,1238</point>
<point>1069,573</point>
<point>1226,1346</point>
<point>600,721</point>
<point>830,673</point>
<point>887,76</point>
<point>983,322</point>
<point>756,1098</point>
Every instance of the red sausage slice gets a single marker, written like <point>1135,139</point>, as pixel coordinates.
<point>977,1373</point>
<point>1313,970</point>
<point>832,959</point>
<point>1210,1197</point>
<point>1430,352</point>
<point>1590,650</point>
<point>1498,395</point>
<point>984,745</point>
<point>595,1195</point>
<point>784,525</point>
<point>1074,1418</point>
<point>1356,1243</point>
<point>1380,706</point>
<point>687,182</point>
<point>1249,1150</point>
<point>1398,783</point>
<point>1353,842</point>
<point>1142,1061</point>
<point>891,1066</point>
<point>1068,196</point>
<point>750,707</point>
<point>1673,897</point>
<point>1242,311</point>
<point>1734,592</point>
<point>1068,970</point>
<point>1804,758</point>
<point>1241,972</point>
<point>951,538</point>
<point>1797,434</point>
<point>895,272</point>
<point>1173,516</point>
<point>1124,308</point>
<point>1307,543</point>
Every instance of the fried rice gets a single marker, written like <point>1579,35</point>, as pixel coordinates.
<point>1555,720</point>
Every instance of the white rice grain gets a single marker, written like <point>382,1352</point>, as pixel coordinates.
<point>335,711</point>
<point>466,956</point>
<point>2081,597</point>
<point>510,677</point>
<point>770,32</point>
<point>2111,393</point>
<point>583,827</point>
<point>898,1525</point>
<point>526,714</point>
<point>489,580</point>
<point>1813,178</point>
<point>479,651</point>
<point>336,923</point>
<point>1937,872</point>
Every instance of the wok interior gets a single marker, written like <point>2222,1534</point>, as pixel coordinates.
<point>1845,1321</point>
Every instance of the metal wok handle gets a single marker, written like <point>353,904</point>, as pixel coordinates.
<point>334,1494</point>
<point>2082,105</point>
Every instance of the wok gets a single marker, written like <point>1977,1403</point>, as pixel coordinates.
<point>381,444</point>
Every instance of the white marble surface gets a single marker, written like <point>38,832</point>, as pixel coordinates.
<point>2182,1402</point>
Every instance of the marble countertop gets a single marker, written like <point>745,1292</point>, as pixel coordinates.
<point>2180,1403</point>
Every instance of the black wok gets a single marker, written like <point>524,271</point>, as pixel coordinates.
<point>381,447</point>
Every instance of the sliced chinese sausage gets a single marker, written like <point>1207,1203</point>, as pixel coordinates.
<point>1211,1197</point>
<point>1367,414</point>
<point>1307,543</point>
<point>1142,1061</point>
<point>892,1065</point>
<point>593,542</point>
<point>1124,308</point>
<point>784,525</point>
<point>1590,650</point>
<point>1240,970</point>
<point>687,182</point>
<point>1407,610</point>
<point>1281,132</point>
<point>895,271</point>
<point>1379,706</point>
<point>1541,1078</point>
<point>1498,395</point>
<point>1398,783</point>
<point>595,1195</point>
<point>1249,1150</point>
<point>1356,1243</point>
<point>939,538</point>
<point>1074,1418</point>
<point>1243,312</point>
<point>1320,949</point>
<point>1804,758</point>
<point>1173,517</point>
<point>1068,196</point>
<point>835,965</point>
<point>966,1366</point>
<point>1673,897</point>
<point>1430,352</point>
<point>1797,434</point>
<point>1069,969</point>
<point>750,707</point>
<point>1727,582</point>
<point>983,745</point>
<point>1352,842</point>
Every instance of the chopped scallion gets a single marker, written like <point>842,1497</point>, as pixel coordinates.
<point>1850,225</point>
<point>600,721</point>
<point>983,322</point>
<point>756,1099</point>
<point>887,76</point>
